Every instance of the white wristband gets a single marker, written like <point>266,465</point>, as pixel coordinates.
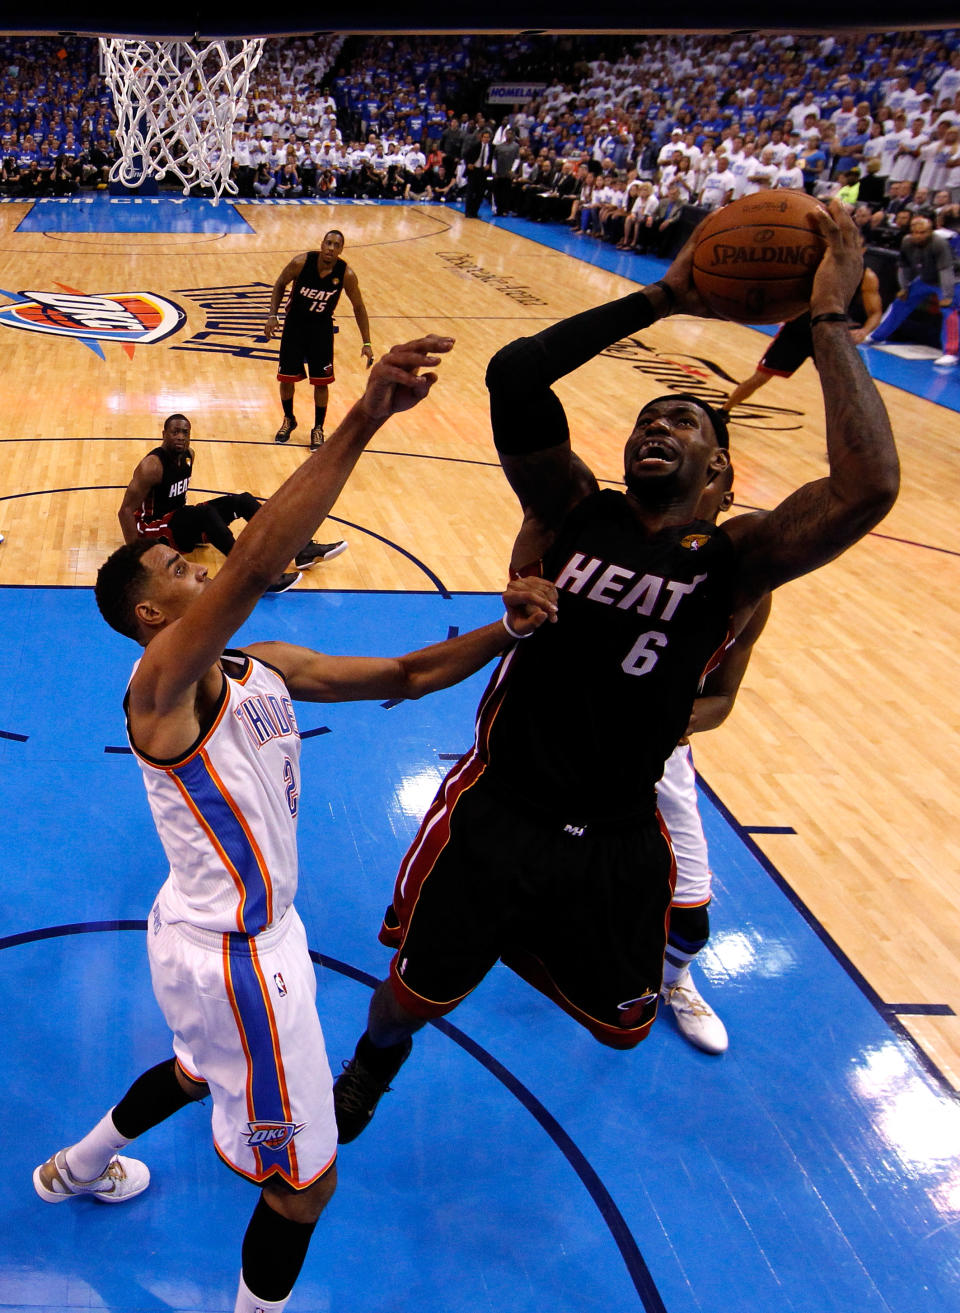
<point>510,630</point>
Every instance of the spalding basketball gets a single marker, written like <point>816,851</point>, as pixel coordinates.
<point>755,258</point>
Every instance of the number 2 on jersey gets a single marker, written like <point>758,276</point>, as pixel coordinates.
<point>290,784</point>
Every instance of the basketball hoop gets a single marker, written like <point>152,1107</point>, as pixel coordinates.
<point>176,104</point>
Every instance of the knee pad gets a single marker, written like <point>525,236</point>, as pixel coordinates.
<point>689,928</point>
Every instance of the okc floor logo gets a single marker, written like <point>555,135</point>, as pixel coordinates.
<point>130,318</point>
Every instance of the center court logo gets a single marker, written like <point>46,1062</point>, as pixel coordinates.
<point>129,317</point>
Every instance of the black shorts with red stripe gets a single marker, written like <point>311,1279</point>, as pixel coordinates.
<point>313,349</point>
<point>789,349</point>
<point>580,911</point>
<point>158,531</point>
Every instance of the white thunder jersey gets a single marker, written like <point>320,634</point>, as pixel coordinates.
<point>226,812</point>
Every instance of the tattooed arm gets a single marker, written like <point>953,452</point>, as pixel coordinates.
<point>825,517</point>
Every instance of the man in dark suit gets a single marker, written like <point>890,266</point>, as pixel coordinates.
<point>478,157</point>
<point>504,159</point>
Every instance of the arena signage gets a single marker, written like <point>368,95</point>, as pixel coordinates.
<point>503,283</point>
<point>514,93</point>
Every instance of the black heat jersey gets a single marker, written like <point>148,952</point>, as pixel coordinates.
<point>579,719</point>
<point>170,493</point>
<point>313,296</point>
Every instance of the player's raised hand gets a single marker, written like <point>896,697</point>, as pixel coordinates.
<point>679,279</point>
<point>841,269</point>
<point>395,382</point>
<point>530,602</point>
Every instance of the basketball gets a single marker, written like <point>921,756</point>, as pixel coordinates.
<point>755,258</point>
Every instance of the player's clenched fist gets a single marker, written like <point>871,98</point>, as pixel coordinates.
<point>530,602</point>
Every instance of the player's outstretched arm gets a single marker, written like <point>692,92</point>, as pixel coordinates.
<point>825,517</point>
<point>184,651</point>
<point>318,677</point>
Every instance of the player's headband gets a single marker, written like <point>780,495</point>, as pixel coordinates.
<point>715,417</point>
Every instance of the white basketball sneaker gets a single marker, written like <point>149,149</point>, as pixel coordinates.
<point>694,1016</point>
<point>122,1179</point>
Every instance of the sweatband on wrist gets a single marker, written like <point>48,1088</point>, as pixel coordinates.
<point>510,630</point>
<point>668,292</point>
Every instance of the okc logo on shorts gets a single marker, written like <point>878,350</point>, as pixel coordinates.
<point>136,317</point>
<point>272,1135</point>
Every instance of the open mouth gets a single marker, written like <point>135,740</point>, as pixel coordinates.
<point>656,451</point>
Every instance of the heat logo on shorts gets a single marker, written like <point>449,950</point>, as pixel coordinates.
<point>272,1135</point>
<point>643,1001</point>
<point>135,317</point>
<point>633,1011</point>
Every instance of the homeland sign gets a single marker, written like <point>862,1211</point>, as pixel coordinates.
<point>514,93</point>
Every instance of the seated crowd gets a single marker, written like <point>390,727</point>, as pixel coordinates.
<point>623,135</point>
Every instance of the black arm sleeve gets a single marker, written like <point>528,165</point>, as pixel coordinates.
<point>526,415</point>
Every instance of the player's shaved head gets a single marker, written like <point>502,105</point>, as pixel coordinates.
<point>714,416</point>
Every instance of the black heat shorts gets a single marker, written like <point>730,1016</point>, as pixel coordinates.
<point>581,912</point>
<point>313,349</point>
<point>789,349</point>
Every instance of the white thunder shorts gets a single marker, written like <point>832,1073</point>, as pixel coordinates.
<point>244,1019</point>
<point>677,802</point>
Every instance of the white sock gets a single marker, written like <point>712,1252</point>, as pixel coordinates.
<point>673,971</point>
<point>88,1158</point>
<point>247,1303</point>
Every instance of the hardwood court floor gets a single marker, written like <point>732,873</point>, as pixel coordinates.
<point>846,734</point>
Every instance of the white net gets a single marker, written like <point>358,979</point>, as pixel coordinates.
<point>176,104</point>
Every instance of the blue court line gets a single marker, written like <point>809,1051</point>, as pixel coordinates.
<point>921,1009</point>
<point>887,1011</point>
<point>415,560</point>
<point>613,1219</point>
<point>769,829</point>
<point>9,734</point>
